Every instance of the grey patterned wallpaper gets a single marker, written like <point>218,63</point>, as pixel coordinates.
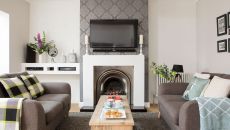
<point>116,9</point>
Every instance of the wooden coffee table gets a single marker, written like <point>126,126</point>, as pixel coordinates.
<point>98,123</point>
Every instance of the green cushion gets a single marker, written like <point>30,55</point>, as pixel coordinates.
<point>195,88</point>
<point>34,86</point>
<point>15,88</point>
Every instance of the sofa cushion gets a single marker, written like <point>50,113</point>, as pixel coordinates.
<point>34,86</point>
<point>172,105</point>
<point>171,98</point>
<point>52,110</point>
<point>195,88</point>
<point>218,88</point>
<point>3,92</point>
<point>62,98</point>
<point>15,88</point>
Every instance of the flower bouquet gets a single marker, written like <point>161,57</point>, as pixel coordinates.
<point>41,45</point>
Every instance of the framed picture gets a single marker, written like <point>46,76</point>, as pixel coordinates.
<point>228,19</point>
<point>222,46</point>
<point>221,25</point>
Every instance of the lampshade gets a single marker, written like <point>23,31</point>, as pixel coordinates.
<point>178,68</point>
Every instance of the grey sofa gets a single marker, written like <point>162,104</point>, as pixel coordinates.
<point>180,114</point>
<point>47,111</point>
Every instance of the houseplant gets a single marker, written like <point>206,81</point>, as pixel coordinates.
<point>163,71</point>
<point>41,46</point>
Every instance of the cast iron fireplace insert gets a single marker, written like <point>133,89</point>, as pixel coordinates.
<point>113,82</point>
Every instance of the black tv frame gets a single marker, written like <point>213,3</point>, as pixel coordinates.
<point>133,22</point>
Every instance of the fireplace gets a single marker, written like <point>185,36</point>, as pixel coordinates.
<point>132,65</point>
<point>113,81</point>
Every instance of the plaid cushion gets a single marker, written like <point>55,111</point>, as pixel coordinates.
<point>15,88</point>
<point>10,113</point>
<point>32,83</point>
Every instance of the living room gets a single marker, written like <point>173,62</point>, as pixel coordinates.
<point>145,54</point>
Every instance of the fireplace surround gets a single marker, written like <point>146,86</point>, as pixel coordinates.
<point>136,62</point>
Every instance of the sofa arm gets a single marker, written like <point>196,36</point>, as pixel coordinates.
<point>172,88</point>
<point>189,117</point>
<point>57,88</point>
<point>33,116</point>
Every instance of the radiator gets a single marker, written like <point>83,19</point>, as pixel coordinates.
<point>185,78</point>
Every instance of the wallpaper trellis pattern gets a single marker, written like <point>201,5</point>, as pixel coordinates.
<point>116,9</point>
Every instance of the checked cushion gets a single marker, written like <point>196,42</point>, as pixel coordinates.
<point>15,88</point>
<point>34,86</point>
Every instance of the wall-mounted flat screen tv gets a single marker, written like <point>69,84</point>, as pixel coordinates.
<point>113,35</point>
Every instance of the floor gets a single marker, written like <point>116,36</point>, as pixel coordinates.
<point>153,108</point>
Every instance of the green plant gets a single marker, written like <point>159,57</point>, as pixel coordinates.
<point>163,71</point>
<point>40,45</point>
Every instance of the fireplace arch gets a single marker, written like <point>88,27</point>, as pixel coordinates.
<point>113,82</point>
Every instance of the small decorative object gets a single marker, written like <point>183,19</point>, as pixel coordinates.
<point>53,52</point>
<point>163,71</point>
<point>41,46</point>
<point>141,42</point>
<point>221,25</point>
<point>222,46</point>
<point>63,58</point>
<point>86,44</point>
<point>229,45</point>
<point>72,57</point>
<point>178,69</point>
<point>229,20</point>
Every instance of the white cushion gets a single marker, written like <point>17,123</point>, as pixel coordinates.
<point>218,88</point>
<point>202,76</point>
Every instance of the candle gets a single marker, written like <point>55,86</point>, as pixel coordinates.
<point>86,39</point>
<point>141,39</point>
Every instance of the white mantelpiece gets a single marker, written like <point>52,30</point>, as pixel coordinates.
<point>137,61</point>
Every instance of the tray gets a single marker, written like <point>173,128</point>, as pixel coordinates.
<point>106,116</point>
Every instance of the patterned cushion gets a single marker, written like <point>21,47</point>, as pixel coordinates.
<point>15,88</point>
<point>195,88</point>
<point>33,85</point>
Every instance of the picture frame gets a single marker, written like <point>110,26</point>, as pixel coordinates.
<point>221,22</point>
<point>222,46</point>
<point>229,20</point>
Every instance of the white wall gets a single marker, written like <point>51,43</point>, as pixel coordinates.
<point>208,58</point>
<point>60,19</point>
<point>172,35</point>
<point>5,42</point>
<point>18,11</point>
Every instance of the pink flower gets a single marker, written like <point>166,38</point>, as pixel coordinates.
<point>39,40</point>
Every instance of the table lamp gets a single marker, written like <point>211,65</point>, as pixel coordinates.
<point>179,69</point>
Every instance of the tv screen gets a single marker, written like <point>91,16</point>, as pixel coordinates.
<point>113,33</point>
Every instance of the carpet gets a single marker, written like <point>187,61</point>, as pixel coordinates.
<point>142,121</point>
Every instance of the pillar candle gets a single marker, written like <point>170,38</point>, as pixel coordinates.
<point>141,39</point>
<point>86,39</point>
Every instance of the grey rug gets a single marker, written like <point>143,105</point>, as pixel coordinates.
<point>143,121</point>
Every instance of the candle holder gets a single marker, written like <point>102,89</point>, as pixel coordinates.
<point>87,49</point>
<point>86,44</point>
<point>141,49</point>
